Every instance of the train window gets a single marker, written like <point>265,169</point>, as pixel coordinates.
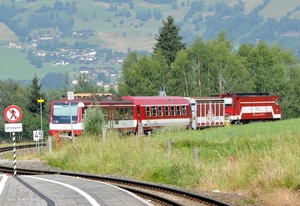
<point>184,110</point>
<point>167,111</point>
<point>122,113</point>
<point>117,115</point>
<point>154,111</point>
<point>228,102</point>
<point>131,113</point>
<point>148,112</point>
<point>159,110</point>
<point>178,111</point>
<point>105,113</point>
<point>126,114</point>
<point>61,112</point>
<point>277,101</point>
<point>173,110</point>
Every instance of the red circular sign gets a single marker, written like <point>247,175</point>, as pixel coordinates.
<point>13,114</point>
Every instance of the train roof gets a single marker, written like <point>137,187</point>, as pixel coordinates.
<point>157,100</point>
<point>217,98</point>
<point>88,100</point>
<point>248,94</point>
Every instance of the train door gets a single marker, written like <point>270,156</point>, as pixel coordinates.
<point>139,125</point>
<point>209,113</point>
<point>194,113</point>
<point>109,116</point>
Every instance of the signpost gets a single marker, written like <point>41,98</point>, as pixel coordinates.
<point>13,114</point>
<point>41,131</point>
<point>37,136</point>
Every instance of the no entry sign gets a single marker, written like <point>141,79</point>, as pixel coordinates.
<point>13,114</point>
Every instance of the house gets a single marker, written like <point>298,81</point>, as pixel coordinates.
<point>87,70</point>
<point>46,37</point>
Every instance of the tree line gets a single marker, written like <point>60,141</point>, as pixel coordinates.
<point>212,67</point>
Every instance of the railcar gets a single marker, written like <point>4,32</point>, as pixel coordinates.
<point>207,112</point>
<point>250,107</point>
<point>158,111</point>
<point>118,113</point>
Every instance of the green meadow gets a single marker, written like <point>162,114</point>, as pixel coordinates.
<point>15,65</point>
<point>259,160</point>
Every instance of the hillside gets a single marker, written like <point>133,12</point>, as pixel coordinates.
<point>122,26</point>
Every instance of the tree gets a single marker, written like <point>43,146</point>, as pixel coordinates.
<point>66,83</point>
<point>168,40</point>
<point>35,93</point>
<point>267,67</point>
<point>84,84</point>
<point>142,76</point>
<point>290,98</point>
<point>199,62</point>
<point>181,79</point>
<point>102,77</point>
<point>52,80</point>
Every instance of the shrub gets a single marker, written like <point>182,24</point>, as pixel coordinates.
<point>93,121</point>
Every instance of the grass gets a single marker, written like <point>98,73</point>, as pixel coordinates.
<point>6,34</point>
<point>257,159</point>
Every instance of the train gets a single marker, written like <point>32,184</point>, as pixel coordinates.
<point>241,108</point>
<point>133,114</point>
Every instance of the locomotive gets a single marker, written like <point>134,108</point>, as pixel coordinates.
<point>243,108</point>
<point>131,114</point>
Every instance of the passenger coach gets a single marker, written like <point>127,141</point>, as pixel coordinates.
<point>159,111</point>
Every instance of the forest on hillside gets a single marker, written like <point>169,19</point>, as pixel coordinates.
<point>205,20</point>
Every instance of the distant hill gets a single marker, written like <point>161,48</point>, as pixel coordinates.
<point>6,34</point>
<point>124,25</point>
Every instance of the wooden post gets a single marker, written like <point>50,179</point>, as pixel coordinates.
<point>169,147</point>
<point>140,130</point>
<point>149,139</point>
<point>196,156</point>
<point>103,134</point>
<point>71,141</point>
<point>49,143</point>
<point>232,162</point>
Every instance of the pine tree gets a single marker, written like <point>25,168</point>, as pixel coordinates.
<point>34,94</point>
<point>168,40</point>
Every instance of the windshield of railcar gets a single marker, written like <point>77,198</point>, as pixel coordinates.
<point>228,102</point>
<point>63,111</point>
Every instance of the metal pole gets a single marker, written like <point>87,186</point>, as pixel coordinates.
<point>72,132</point>
<point>41,127</point>
<point>41,116</point>
<point>15,153</point>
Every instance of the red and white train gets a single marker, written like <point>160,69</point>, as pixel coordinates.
<point>131,113</point>
<point>249,107</point>
<point>136,113</point>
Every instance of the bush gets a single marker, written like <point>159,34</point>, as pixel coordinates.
<point>93,121</point>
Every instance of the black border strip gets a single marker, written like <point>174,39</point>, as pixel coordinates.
<point>44,197</point>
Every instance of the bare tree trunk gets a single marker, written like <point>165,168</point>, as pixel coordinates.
<point>199,80</point>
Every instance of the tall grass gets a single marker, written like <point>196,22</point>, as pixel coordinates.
<point>255,157</point>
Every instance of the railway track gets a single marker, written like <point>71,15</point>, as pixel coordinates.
<point>157,194</point>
